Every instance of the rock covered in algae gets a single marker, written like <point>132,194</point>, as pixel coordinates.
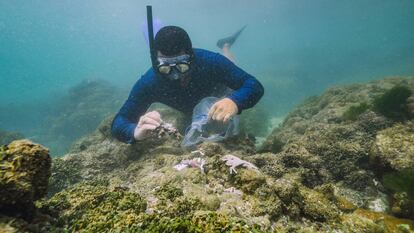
<point>315,181</point>
<point>24,175</point>
<point>93,207</point>
<point>330,107</point>
<point>394,146</point>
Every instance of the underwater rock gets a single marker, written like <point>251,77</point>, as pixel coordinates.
<point>317,179</point>
<point>329,108</point>
<point>93,207</point>
<point>24,175</point>
<point>78,113</point>
<point>317,206</point>
<point>393,103</point>
<point>368,221</point>
<point>401,185</point>
<point>394,147</point>
<point>255,121</point>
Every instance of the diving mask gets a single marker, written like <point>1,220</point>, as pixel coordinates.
<point>181,63</point>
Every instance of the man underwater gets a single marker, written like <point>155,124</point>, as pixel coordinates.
<point>181,77</point>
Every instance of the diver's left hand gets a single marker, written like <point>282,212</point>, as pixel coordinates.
<point>410,105</point>
<point>223,110</point>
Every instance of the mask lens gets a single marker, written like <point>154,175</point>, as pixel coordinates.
<point>164,69</point>
<point>183,67</point>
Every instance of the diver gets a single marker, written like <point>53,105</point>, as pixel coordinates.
<point>180,77</point>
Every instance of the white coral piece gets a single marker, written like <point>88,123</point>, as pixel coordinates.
<point>234,161</point>
<point>196,162</point>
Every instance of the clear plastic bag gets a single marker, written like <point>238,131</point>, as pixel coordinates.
<point>203,130</point>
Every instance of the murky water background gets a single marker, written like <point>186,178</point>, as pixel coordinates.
<point>295,48</point>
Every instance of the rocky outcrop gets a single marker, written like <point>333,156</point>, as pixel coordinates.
<point>324,170</point>
<point>24,175</point>
<point>394,147</point>
<point>354,137</point>
<point>78,112</point>
<point>25,170</point>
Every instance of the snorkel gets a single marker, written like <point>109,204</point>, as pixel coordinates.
<point>151,37</point>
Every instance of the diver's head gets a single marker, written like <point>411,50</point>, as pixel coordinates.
<point>174,53</point>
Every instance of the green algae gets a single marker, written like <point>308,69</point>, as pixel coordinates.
<point>92,207</point>
<point>392,103</point>
<point>248,180</point>
<point>353,112</point>
<point>202,221</point>
<point>169,192</point>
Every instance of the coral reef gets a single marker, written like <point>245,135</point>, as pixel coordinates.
<point>318,172</point>
<point>24,175</point>
<point>79,112</point>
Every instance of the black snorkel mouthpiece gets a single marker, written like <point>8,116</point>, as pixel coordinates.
<point>151,35</point>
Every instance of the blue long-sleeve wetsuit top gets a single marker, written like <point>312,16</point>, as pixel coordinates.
<point>208,71</point>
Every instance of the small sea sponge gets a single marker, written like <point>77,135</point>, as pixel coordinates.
<point>392,103</point>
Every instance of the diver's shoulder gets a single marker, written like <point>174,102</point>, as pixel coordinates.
<point>204,54</point>
<point>148,78</point>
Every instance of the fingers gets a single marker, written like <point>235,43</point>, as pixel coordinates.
<point>220,115</point>
<point>148,127</point>
<point>153,118</point>
<point>154,115</point>
<point>148,121</point>
<point>218,112</point>
<point>226,118</point>
<point>141,132</point>
<point>212,111</point>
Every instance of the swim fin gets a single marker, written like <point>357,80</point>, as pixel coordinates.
<point>231,39</point>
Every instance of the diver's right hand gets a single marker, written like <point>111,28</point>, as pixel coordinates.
<point>147,123</point>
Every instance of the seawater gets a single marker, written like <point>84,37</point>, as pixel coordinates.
<point>295,48</point>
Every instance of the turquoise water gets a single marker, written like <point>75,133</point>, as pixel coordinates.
<point>296,48</point>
